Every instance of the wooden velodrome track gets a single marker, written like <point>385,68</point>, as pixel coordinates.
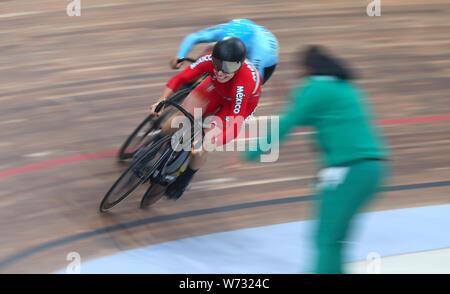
<point>71,86</point>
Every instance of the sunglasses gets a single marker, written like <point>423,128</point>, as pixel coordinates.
<point>228,67</point>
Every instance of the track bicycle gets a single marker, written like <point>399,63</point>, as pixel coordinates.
<point>155,159</point>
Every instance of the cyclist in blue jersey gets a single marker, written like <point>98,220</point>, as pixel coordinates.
<point>261,44</point>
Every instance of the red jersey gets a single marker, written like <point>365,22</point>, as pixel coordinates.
<point>240,95</point>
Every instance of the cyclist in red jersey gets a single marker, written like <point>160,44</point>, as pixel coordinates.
<point>231,92</point>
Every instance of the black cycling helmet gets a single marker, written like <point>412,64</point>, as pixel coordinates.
<point>229,54</point>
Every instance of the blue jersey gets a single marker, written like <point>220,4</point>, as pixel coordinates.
<point>262,49</point>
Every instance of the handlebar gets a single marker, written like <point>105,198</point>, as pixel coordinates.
<point>162,103</point>
<point>188,59</point>
<point>176,105</point>
<point>187,114</point>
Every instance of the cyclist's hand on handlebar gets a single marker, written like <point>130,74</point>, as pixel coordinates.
<point>153,107</point>
<point>165,95</point>
<point>174,64</point>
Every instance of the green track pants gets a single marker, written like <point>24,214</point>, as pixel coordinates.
<point>343,191</point>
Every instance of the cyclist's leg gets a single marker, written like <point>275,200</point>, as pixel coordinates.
<point>203,97</point>
<point>197,99</point>
<point>268,71</point>
<point>198,154</point>
<point>208,100</point>
<point>213,102</point>
<point>229,124</point>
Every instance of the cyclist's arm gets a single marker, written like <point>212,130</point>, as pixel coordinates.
<point>166,94</point>
<point>211,34</point>
<point>191,72</point>
<point>263,51</point>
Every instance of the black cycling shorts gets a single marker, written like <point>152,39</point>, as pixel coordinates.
<point>268,71</point>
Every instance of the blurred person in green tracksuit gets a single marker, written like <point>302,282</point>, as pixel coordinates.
<point>352,153</point>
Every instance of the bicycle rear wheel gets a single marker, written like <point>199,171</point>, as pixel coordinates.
<point>168,171</point>
<point>136,174</point>
<point>153,194</point>
<point>142,136</point>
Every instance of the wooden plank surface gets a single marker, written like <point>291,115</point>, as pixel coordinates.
<point>77,85</point>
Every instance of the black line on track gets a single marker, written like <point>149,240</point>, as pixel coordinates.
<point>82,236</point>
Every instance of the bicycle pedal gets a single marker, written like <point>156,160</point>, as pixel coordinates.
<point>169,178</point>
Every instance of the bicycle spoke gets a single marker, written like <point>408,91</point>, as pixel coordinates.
<point>149,156</point>
<point>128,183</point>
<point>139,172</point>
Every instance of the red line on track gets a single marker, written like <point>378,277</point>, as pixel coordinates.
<point>101,154</point>
<point>400,121</point>
<point>54,162</point>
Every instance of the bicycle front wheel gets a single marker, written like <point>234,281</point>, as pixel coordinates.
<point>141,169</point>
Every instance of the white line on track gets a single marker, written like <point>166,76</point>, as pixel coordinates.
<point>40,154</point>
<point>13,121</point>
<point>6,15</point>
<point>214,186</point>
<point>441,168</point>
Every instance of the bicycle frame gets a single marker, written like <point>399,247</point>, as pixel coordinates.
<point>182,162</point>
